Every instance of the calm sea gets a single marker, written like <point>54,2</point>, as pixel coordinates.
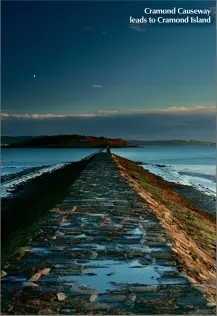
<point>188,165</point>
<point>18,159</point>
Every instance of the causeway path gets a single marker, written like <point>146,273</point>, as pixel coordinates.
<point>100,251</point>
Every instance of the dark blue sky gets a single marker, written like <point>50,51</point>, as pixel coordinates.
<point>87,59</point>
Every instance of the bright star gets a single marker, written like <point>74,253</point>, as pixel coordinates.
<point>34,76</point>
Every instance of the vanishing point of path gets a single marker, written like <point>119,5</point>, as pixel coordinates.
<point>101,251</point>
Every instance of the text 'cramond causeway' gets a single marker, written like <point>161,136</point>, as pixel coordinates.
<point>178,11</point>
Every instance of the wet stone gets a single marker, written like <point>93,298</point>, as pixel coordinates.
<point>67,311</point>
<point>154,297</point>
<point>173,280</point>
<point>100,251</point>
<point>42,288</point>
<point>46,312</point>
<point>161,255</point>
<point>164,262</point>
<point>81,289</point>
<point>143,289</point>
<point>160,248</point>
<point>145,261</point>
<point>96,306</point>
<point>113,298</point>
<point>191,300</point>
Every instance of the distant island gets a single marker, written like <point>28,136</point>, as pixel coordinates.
<point>79,141</point>
<point>141,143</point>
<point>61,141</point>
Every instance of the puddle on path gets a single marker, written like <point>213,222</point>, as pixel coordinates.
<point>88,220</point>
<point>103,275</point>
<point>14,279</point>
<point>136,247</point>
<point>66,224</point>
<point>98,214</point>
<point>173,280</point>
<point>42,250</point>
<point>135,233</point>
<point>81,236</point>
<point>160,249</point>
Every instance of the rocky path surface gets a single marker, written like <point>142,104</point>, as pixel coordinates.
<point>101,251</point>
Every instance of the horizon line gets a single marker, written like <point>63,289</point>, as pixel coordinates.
<point>101,113</point>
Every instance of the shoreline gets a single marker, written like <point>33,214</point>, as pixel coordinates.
<point>202,200</point>
<point>12,176</point>
<point>207,202</point>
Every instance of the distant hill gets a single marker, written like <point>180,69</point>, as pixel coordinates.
<point>14,139</point>
<point>62,141</point>
<point>141,143</point>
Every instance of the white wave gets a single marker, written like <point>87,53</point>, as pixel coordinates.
<point>171,173</point>
<point>10,185</point>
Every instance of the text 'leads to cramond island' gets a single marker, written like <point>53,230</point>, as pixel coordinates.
<point>175,10</point>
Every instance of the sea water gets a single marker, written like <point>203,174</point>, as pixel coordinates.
<point>17,159</point>
<point>191,165</point>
